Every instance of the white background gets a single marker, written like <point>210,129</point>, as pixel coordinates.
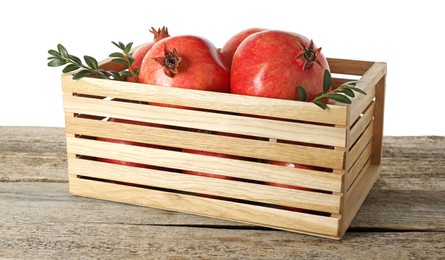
<point>408,35</point>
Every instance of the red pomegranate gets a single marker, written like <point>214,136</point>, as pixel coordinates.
<point>228,50</point>
<point>185,62</point>
<point>274,63</point>
<point>140,52</point>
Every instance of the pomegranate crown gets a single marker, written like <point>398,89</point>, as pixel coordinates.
<point>170,61</point>
<point>161,33</point>
<point>309,55</point>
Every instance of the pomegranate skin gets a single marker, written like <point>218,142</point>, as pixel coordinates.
<point>142,50</point>
<point>200,65</point>
<point>270,64</point>
<point>229,48</point>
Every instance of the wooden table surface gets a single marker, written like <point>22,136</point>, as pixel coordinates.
<point>402,218</point>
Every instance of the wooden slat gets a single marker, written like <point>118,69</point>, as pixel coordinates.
<point>360,145</point>
<point>378,121</point>
<point>208,100</point>
<point>276,218</point>
<point>349,67</point>
<point>205,185</point>
<point>207,142</point>
<point>336,82</point>
<point>357,193</point>
<point>209,164</point>
<point>366,83</point>
<point>267,128</point>
<point>355,169</point>
<point>361,124</point>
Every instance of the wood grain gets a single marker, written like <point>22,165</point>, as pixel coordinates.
<point>207,100</point>
<point>211,121</point>
<point>217,143</point>
<point>48,222</point>
<point>402,217</point>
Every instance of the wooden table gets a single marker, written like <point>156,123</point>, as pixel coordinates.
<point>402,218</point>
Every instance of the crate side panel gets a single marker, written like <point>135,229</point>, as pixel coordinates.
<point>226,188</point>
<point>378,120</point>
<point>251,214</point>
<point>217,143</point>
<point>267,107</point>
<point>208,164</point>
<point>355,170</point>
<point>366,83</point>
<point>356,195</point>
<point>360,125</point>
<point>349,67</point>
<point>267,128</point>
<point>360,145</point>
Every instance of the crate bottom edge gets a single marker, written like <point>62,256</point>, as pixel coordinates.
<point>121,193</point>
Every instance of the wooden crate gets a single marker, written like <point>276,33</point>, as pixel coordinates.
<point>344,142</point>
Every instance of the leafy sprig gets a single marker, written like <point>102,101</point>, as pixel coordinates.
<point>342,94</point>
<point>61,57</point>
<point>126,59</point>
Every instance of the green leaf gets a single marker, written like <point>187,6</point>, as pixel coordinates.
<point>56,63</point>
<point>126,73</point>
<point>121,61</point>
<point>120,45</point>
<point>70,67</point>
<point>131,59</point>
<point>302,94</point>
<point>350,83</point>
<point>115,75</point>
<point>91,62</point>
<point>327,81</point>
<point>128,47</point>
<point>116,55</point>
<point>82,74</point>
<point>54,53</point>
<point>136,71</point>
<point>62,50</point>
<point>75,59</point>
<point>358,90</point>
<point>320,104</point>
<point>348,92</point>
<point>339,98</point>
<point>117,45</point>
<point>103,73</point>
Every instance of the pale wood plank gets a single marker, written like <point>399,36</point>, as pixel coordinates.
<point>201,163</point>
<point>205,185</point>
<point>367,83</point>
<point>245,147</point>
<point>361,124</point>
<point>251,126</point>
<point>355,169</point>
<point>360,145</point>
<point>276,218</point>
<point>378,121</point>
<point>357,193</point>
<point>269,107</point>
<point>349,67</point>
